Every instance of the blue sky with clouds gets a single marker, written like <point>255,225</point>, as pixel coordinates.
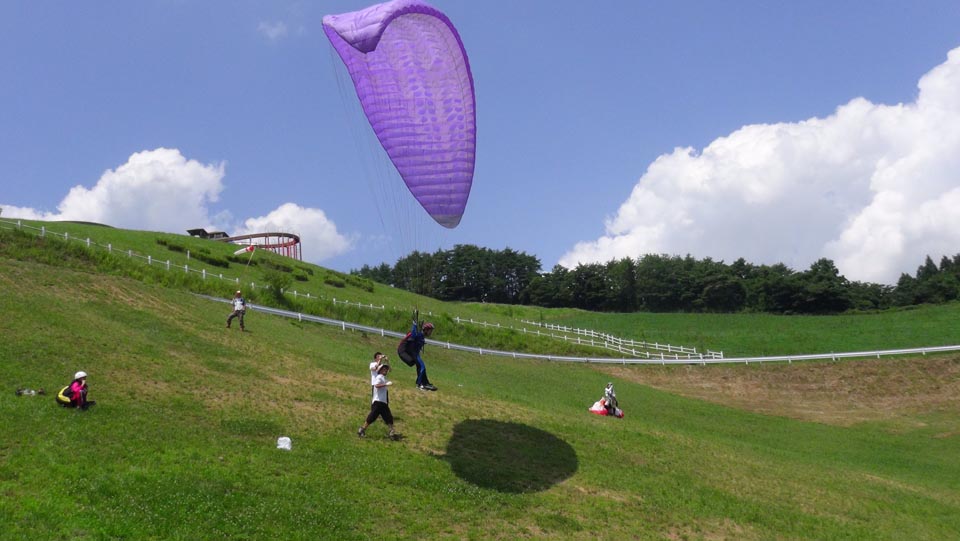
<point>774,131</point>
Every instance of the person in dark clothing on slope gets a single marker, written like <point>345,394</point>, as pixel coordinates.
<point>409,352</point>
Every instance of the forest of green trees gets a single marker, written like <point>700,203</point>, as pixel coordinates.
<point>659,283</point>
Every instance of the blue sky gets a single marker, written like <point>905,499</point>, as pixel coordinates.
<point>775,131</point>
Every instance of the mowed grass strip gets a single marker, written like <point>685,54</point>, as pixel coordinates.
<point>182,442</point>
<point>757,335</point>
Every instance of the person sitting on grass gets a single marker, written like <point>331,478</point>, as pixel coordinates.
<point>75,394</point>
<point>610,399</point>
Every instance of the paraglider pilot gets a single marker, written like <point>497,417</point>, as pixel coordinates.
<point>409,352</point>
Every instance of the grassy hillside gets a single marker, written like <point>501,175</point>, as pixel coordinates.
<point>181,444</point>
<point>178,260</point>
<point>743,335</point>
<point>736,335</point>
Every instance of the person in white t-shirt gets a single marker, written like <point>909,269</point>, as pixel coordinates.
<point>239,310</point>
<point>380,406</point>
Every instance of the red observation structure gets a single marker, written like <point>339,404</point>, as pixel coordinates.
<point>285,244</point>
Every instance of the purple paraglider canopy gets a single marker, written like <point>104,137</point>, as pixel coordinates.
<point>412,76</point>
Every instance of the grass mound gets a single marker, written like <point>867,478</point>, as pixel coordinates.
<point>182,442</point>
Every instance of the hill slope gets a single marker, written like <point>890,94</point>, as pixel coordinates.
<point>182,442</point>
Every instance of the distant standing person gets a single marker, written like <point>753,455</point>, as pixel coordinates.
<point>409,352</point>
<point>239,309</point>
<point>75,394</point>
<point>380,405</point>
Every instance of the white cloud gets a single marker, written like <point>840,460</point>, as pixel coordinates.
<point>875,188</point>
<point>273,31</point>
<point>318,234</point>
<point>161,190</point>
<point>157,190</point>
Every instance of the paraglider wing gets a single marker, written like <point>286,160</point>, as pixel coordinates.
<point>413,79</point>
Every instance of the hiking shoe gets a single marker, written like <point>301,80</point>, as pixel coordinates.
<point>361,432</point>
<point>429,387</point>
<point>422,387</point>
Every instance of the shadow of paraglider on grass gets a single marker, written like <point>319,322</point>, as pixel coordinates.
<point>509,457</point>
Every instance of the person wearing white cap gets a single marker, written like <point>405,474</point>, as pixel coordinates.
<point>239,309</point>
<point>75,394</point>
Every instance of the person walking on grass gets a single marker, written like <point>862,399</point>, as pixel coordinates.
<point>239,310</point>
<point>380,405</point>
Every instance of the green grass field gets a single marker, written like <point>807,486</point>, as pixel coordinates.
<point>182,442</point>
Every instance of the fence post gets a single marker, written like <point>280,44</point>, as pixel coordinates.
<point>88,242</point>
<point>43,231</point>
<point>110,247</point>
<point>203,273</point>
<point>66,236</point>
<point>149,260</point>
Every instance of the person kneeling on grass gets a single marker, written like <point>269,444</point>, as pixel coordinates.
<point>75,394</point>
<point>380,407</point>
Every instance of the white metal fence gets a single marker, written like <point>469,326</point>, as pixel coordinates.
<point>609,342</point>
<point>664,359</point>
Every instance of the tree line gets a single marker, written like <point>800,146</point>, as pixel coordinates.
<point>658,283</point>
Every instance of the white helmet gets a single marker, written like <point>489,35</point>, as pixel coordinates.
<point>80,374</point>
